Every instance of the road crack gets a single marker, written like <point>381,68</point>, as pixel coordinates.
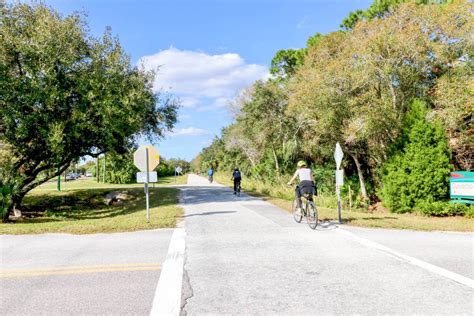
<point>186,292</point>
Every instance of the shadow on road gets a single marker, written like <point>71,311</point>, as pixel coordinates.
<point>210,194</point>
<point>327,225</point>
<point>209,213</point>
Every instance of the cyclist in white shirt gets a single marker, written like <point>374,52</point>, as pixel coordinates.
<point>306,185</point>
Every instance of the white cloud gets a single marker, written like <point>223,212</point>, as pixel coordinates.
<point>194,75</point>
<point>189,131</point>
<point>189,102</point>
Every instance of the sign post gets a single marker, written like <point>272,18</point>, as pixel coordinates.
<point>177,172</point>
<point>59,181</point>
<point>147,193</point>
<point>338,154</point>
<point>146,158</point>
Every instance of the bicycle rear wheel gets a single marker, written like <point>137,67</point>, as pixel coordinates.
<point>297,215</point>
<point>311,215</point>
<point>238,189</point>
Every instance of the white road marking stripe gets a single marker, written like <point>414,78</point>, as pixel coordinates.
<point>422,264</point>
<point>167,300</point>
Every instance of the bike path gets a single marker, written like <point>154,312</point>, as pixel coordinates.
<point>245,256</point>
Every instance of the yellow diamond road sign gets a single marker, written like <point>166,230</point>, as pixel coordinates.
<point>139,158</point>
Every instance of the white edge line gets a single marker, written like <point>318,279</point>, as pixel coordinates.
<point>422,264</point>
<point>167,300</point>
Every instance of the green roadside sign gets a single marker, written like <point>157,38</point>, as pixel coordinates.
<point>461,187</point>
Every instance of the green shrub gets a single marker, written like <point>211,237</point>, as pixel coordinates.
<point>470,212</point>
<point>5,200</point>
<point>457,209</point>
<point>440,208</point>
<point>420,171</point>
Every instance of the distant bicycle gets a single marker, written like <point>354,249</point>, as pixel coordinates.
<point>210,174</point>
<point>237,189</point>
<point>308,209</point>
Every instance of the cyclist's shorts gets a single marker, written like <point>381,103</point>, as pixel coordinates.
<point>307,187</point>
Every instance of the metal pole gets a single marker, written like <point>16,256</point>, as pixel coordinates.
<point>59,181</point>
<point>97,169</point>
<point>146,190</point>
<point>103,171</point>
<point>338,189</point>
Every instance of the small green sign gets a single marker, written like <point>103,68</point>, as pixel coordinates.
<point>461,186</point>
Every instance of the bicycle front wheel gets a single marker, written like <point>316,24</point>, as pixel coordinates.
<point>311,215</point>
<point>297,215</point>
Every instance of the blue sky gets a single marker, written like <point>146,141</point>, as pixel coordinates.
<point>208,50</point>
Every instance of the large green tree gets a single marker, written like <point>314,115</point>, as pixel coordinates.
<point>355,87</point>
<point>65,94</point>
<point>379,9</point>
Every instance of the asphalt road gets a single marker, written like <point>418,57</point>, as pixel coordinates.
<point>60,274</point>
<point>449,250</point>
<point>244,256</point>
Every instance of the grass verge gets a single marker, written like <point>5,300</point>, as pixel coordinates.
<point>283,199</point>
<point>85,212</point>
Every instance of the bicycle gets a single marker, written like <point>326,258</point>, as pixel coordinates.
<point>308,209</point>
<point>237,191</point>
<point>210,179</point>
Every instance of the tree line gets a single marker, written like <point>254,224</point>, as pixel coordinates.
<point>120,169</point>
<point>394,87</point>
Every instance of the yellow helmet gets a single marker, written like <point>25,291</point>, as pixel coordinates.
<point>301,163</point>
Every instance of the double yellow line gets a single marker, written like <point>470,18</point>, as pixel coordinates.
<point>19,273</point>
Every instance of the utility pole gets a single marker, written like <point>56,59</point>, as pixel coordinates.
<point>103,177</point>
<point>59,181</point>
<point>338,154</point>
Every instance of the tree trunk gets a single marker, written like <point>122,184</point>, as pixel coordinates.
<point>277,166</point>
<point>17,199</point>
<point>363,190</point>
<point>249,156</point>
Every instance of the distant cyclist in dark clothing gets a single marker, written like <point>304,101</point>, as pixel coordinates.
<point>210,174</point>
<point>237,177</point>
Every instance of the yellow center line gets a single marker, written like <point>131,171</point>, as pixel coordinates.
<point>16,273</point>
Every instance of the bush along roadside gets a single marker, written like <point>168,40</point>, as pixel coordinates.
<point>442,208</point>
<point>5,200</point>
